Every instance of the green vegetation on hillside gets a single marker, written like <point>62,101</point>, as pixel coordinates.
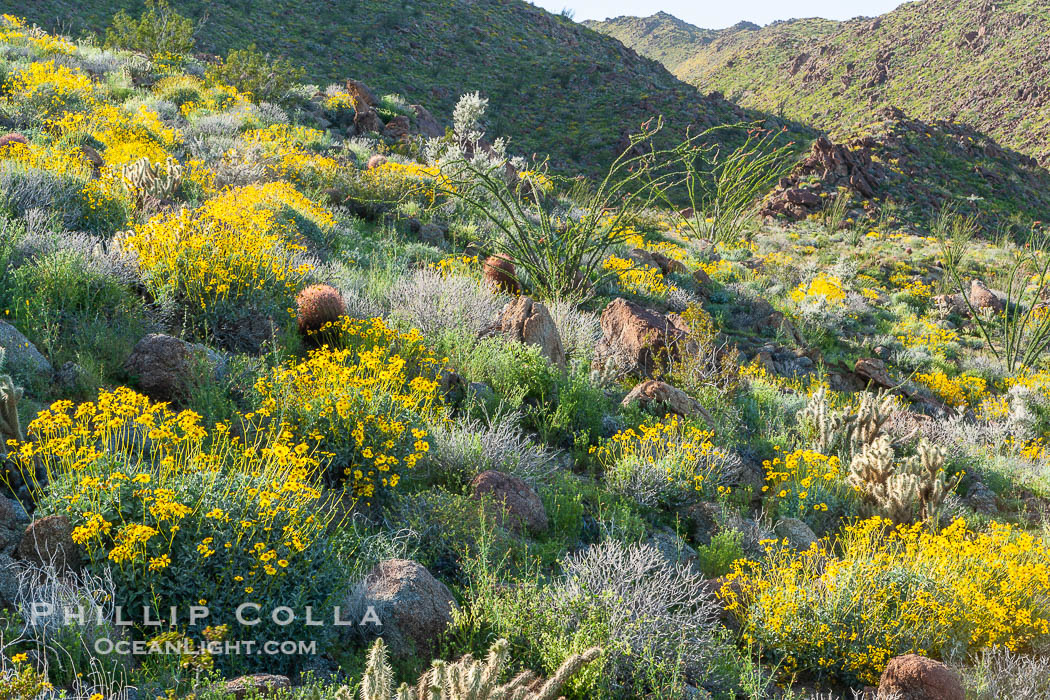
<point>982,64</point>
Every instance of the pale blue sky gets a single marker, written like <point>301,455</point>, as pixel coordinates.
<point>718,15</point>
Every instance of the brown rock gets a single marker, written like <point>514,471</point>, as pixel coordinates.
<point>701,277</point>
<point>663,398</point>
<point>797,195</point>
<point>914,677</point>
<point>397,128</point>
<point>413,606</point>
<point>426,124</point>
<point>49,540</point>
<point>872,370</point>
<point>360,93</point>
<point>983,298</point>
<point>638,337</point>
<point>668,265</point>
<point>499,272</point>
<point>528,321</point>
<point>518,506</point>
<point>11,139</point>
<point>258,685</point>
<point>367,121</point>
<point>166,367</point>
<point>375,162</point>
<point>643,257</point>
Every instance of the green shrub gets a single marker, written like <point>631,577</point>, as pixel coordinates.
<point>159,32</point>
<point>249,70</point>
<point>717,557</point>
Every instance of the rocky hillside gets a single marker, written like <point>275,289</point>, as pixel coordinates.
<point>661,37</point>
<point>976,62</point>
<point>575,93</point>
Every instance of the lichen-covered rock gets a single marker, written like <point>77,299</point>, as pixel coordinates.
<point>661,397</point>
<point>981,297</point>
<point>412,606</point>
<point>360,93</point>
<point>914,677</point>
<point>397,128</point>
<point>797,533</point>
<point>49,540</point>
<point>13,522</point>
<point>517,506</point>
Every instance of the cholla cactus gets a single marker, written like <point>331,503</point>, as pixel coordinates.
<point>902,491</point>
<point>144,179</point>
<point>10,428</point>
<point>826,424</point>
<point>866,426</point>
<point>468,679</point>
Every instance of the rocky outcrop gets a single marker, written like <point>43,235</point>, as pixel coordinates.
<point>49,541</point>
<point>260,685</point>
<point>662,398</point>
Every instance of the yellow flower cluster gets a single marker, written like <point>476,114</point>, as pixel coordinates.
<point>139,482</point>
<point>406,179</point>
<point>48,89</point>
<point>824,289</point>
<point>234,245</point>
<point>14,33</point>
<point>964,390</point>
<point>635,278</point>
<point>845,608</point>
<point>803,480</point>
<point>215,99</point>
<point>925,334</point>
<point>686,454</point>
<point>364,403</point>
<point>288,155</point>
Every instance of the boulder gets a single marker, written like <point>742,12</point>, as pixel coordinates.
<point>983,298</point>
<point>360,93</point>
<point>49,540</point>
<point>412,606</point>
<point>674,550</point>
<point>637,338</point>
<point>914,677</point>
<point>426,124</point>
<point>13,522</point>
<point>797,533</point>
<point>668,265</point>
<point>21,356</point>
<point>662,398</point>
<point>432,234</point>
<point>872,370</point>
<point>518,507</point>
<point>166,367</point>
<point>397,128</point>
<point>367,121</point>
<point>258,685</point>
<point>528,321</point>
<point>982,499</point>
<point>643,257</point>
<point>701,277</point>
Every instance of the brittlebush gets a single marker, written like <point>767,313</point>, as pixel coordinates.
<point>364,401</point>
<point>240,247</point>
<point>182,515</point>
<point>844,609</point>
